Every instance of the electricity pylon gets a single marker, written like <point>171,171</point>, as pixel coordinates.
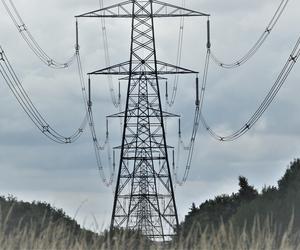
<point>144,196</point>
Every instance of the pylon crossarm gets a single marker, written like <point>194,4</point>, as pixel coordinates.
<point>124,69</point>
<point>167,68</point>
<point>126,78</point>
<point>118,69</point>
<point>153,147</point>
<point>122,9</point>
<point>155,113</point>
<point>160,9</point>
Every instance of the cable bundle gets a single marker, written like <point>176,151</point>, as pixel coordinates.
<point>31,42</point>
<point>291,61</point>
<point>252,51</point>
<point>27,105</point>
<point>196,123</point>
<point>29,108</point>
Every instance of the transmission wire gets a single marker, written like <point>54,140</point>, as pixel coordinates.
<point>27,105</point>
<point>171,102</point>
<point>115,100</point>
<point>108,181</point>
<point>197,114</point>
<point>198,117</point>
<point>287,68</point>
<point>30,40</point>
<point>252,51</point>
<point>30,109</point>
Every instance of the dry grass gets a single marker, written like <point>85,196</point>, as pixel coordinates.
<point>57,236</point>
<point>261,236</point>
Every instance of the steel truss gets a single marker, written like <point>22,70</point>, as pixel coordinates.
<point>144,196</point>
<point>157,9</point>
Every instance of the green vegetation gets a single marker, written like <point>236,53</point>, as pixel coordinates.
<point>19,214</point>
<point>213,213</point>
<point>248,219</point>
<point>275,207</point>
<point>38,225</point>
<point>20,219</point>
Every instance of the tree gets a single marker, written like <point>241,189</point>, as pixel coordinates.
<point>246,192</point>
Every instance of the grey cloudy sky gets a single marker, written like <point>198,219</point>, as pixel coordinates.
<point>34,168</point>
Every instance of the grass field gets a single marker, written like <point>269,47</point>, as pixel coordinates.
<point>57,236</point>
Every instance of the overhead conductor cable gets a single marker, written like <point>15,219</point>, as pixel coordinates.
<point>30,40</point>
<point>199,99</point>
<point>252,51</point>
<point>29,108</point>
<point>280,80</point>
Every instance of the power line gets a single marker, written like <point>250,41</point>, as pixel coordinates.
<point>198,116</point>
<point>200,94</point>
<point>25,102</point>
<point>116,100</point>
<point>283,75</point>
<point>29,108</point>
<point>30,40</point>
<point>108,181</point>
<point>252,51</point>
<point>171,102</point>
<point>39,121</point>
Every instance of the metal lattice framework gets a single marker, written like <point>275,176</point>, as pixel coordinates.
<point>144,196</point>
<point>158,9</point>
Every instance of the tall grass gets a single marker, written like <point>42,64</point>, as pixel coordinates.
<point>262,234</point>
<point>258,235</point>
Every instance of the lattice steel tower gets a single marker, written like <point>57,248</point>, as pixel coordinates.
<point>144,196</point>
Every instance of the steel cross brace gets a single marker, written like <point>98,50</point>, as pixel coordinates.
<point>162,69</point>
<point>160,9</point>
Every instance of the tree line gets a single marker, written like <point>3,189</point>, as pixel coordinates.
<point>279,206</point>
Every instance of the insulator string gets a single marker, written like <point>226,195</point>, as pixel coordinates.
<point>197,114</point>
<point>86,95</point>
<point>114,98</point>
<point>170,102</point>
